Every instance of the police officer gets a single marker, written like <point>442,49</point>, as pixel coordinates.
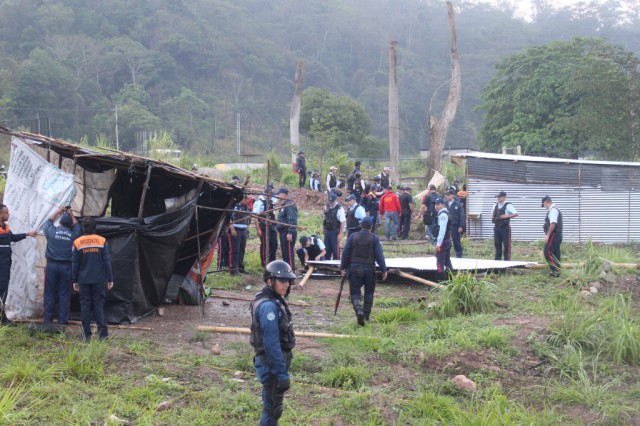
<point>443,232</point>
<point>332,181</point>
<point>57,274</point>
<point>235,180</point>
<point>239,232</point>
<point>458,220</point>
<point>358,185</point>
<point>374,204</point>
<point>352,177</point>
<point>6,238</point>
<point>406,204</point>
<point>553,236</point>
<point>385,177</point>
<point>501,216</point>
<point>428,212</point>
<point>314,182</point>
<point>355,213</point>
<point>288,218</point>
<point>273,339</point>
<point>342,181</point>
<point>301,169</point>
<point>333,226</point>
<point>312,248</point>
<point>267,232</point>
<point>362,251</point>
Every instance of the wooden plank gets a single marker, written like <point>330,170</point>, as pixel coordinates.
<point>306,277</point>
<point>416,279</point>
<point>242,330</point>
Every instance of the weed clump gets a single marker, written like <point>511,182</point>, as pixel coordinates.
<point>465,294</point>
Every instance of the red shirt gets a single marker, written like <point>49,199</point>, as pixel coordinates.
<point>389,202</point>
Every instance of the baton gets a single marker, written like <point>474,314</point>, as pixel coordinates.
<point>339,294</point>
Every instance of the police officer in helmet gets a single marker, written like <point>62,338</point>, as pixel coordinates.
<point>272,338</point>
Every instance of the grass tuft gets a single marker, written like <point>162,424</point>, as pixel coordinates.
<point>465,294</point>
<point>345,376</point>
<point>401,315</point>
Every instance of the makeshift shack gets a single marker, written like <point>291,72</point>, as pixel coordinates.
<point>589,194</point>
<point>160,221</point>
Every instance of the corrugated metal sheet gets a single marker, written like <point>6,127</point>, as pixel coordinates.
<point>599,200</point>
<point>588,213</point>
<point>429,264</point>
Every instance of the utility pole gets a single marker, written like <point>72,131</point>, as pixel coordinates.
<point>238,133</point>
<point>117,141</point>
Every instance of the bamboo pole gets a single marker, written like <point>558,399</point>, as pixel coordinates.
<point>242,330</point>
<point>289,302</point>
<point>253,215</point>
<point>306,277</point>
<point>417,279</point>
<point>73,322</point>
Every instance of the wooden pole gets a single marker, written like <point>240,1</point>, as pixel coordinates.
<point>72,322</point>
<point>254,215</point>
<point>144,192</point>
<point>242,330</point>
<point>417,279</point>
<point>306,277</point>
<point>289,302</point>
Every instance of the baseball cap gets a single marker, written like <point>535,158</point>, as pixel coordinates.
<point>65,219</point>
<point>303,241</point>
<point>439,200</point>
<point>235,177</point>
<point>283,191</point>
<point>366,222</point>
<point>389,188</point>
<point>432,187</point>
<point>386,168</point>
<point>333,168</point>
<point>332,196</point>
<point>501,194</point>
<point>545,198</point>
<point>358,163</point>
<point>351,197</point>
<point>300,152</point>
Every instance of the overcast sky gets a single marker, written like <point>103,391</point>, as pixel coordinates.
<point>525,10</point>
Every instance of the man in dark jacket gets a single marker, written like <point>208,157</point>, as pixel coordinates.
<point>362,251</point>
<point>428,212</point>
<point>57,274</point>
<point>273,339</point>
<point>239,232</point>
<point>287,228</point>
<point>406,204</point>
<point>267,232</point>
<point>458,221</point>
<point>6,238</point>
<point>91,267</point>
<point>301,169</point>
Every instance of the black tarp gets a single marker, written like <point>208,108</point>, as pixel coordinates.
<point>143,257</point>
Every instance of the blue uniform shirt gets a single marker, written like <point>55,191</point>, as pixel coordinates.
<point>443,220</point>
<point>60,240</point>
<point>268,315</point>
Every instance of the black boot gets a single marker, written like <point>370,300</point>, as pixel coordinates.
<point>359,312</point>
<point>367,311</point>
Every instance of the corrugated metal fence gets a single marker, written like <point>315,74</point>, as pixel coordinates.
<point>598,202</point>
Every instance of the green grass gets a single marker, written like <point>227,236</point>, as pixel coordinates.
<point>465,294</point>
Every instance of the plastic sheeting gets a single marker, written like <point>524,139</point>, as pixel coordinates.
<point>143,257</point>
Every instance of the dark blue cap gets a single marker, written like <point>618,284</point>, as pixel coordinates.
<point>65,219</point>
<point>333,196</point>
<point>366,222</point>
<point>351,197</point>
<point>439,200</point>
<point>283,191</point>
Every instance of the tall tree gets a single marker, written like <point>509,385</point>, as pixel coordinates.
<point>294,115</point>
<point>562,99</point>
<point>394,131</point>
<point>438,128</point>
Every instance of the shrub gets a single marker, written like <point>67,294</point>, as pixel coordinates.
<point>345,376</point>
<point>575,326</point>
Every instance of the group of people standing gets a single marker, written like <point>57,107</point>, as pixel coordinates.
<point>76,257</point>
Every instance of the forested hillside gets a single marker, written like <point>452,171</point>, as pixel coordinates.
<point>190,67</point>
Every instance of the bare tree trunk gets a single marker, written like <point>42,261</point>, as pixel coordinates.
<point>394,131</point>
<point>438,128</point>
<point>294,116</point>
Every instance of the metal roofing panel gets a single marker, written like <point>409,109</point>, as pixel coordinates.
<point>588,213</point>
<point>495,156</point>
<point>429,264</point>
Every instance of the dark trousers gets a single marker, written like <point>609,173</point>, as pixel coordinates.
<point>455,238</point>
<point>272,397</point>
<point>302,178</point>
<point>405,220</point>
<point>57,288</point>
<point>358,194</point>
<point>352,231</point>
<point>224,249</point>
<point>300,253</point>
<point>331,245</point>
<point>502,242</point>
<point>238,246</point>
<point>273,244</point>
<point>359,276</point>
<point>374,216</point>
<point>92,301</point>
<point>288,254</point>
<point>5,272</point>
<point>552,252</point>
<point>443,259</point>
